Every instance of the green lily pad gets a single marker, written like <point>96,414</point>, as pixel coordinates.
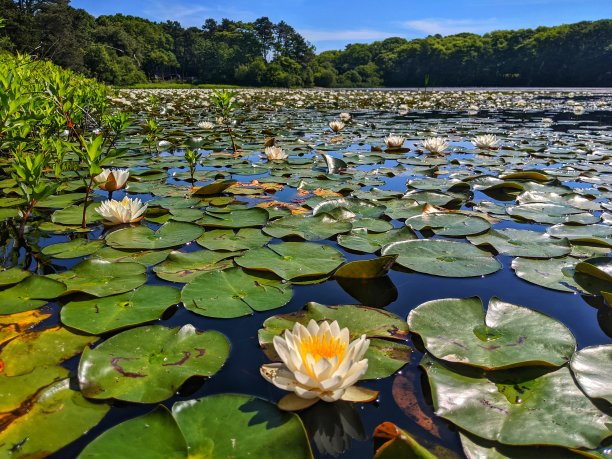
<point>235,425</point>
<point>148,364</point>
<point>366,269</point>
<point>144,257</point>
<point>399,443</point>
<point>443,258</point>
<point>43,348</point>
<point>155,435</point>
<point>477,448</point>
<point>184,267</point>
<point>73,249</point>
<point>572,232</point>
<point>73,215</point>
<point>233,293</point>
<point>58,416</point>
<point>592,367</point>
<point>31,293</point>
<point>360,240</point>
<point>554,273</point>
<point>171,234</point>
<point>522,408</point>
<point>551,213</point>
<point>103,278</point>
<point>358,207</point>
<point>15,391</point>
<point>214,188</point>
<point>457,330</point>
<point>599,267</point>
<point>449,223</point>
<point>243,218</point>
<point>293,260</point>
<point>386,331</point>
<point>101,315</point>
<point>13,276</point>
<point>231,240</point>
<point>310,228</point>
<point>523,243</point>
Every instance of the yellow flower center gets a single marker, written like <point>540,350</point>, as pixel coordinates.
<point>124,202</point>
<point>326,346</point>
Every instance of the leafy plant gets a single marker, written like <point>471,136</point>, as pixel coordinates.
<point>225,103</point>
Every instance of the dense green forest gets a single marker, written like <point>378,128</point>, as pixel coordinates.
<point>125,50</point>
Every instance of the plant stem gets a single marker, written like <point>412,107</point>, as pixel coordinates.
<point>88,190</point>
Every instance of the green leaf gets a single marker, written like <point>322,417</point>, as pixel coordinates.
<point>366,269</point>
<point>154,435</point>
<point>360,240</point>
<point>101,315</point>
<point>523,243</point>
<point>171,234</point>
<point>398,443</point>
<point>233,293</point>
<point>103,278</point>
<point>73,249</point>
<point>13,276</point>
<point>59,416</point>
<point>231,240</point>
<point>234,425</point>
<point>442,258</point>
<point>522,408</point>
<point>385,355</point>
<point>448,223</point>
<point>31,293</point>
<point>144,257</point>
<point>242,218</point>
<point>475,447</point>
<point>554,273</point>
<point>16,391</point>
<point>313,228</point>
<point>148,364</point>
<point>73,215</point>
<point>43,348</point>
<point>592,367</point>
<point>457,330</point>
<point>184,267</point>
<point>293,260</point>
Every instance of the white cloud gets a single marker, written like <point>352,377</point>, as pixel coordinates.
<point>432,26</point>
<point>314,35</point>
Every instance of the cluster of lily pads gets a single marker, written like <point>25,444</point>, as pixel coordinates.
<point>282,196</point>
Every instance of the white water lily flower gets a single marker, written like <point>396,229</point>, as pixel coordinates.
<point>345,116</point>
<point>275,153</point>
<point>319,363</point>
<point>206,125</point>
<point>118,212</point>
<point>486,142</point>
<point>112,179</point>
<point>394,141</point>
<point>164,144</point>
<point>336,126</point>
<point>435,144</point>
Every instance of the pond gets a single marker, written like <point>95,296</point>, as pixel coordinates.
<point>521,221</point>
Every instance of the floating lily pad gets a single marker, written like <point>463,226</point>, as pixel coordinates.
<point>57,417</point>
<point>233,293</point>
<point>243,218</point>
<point>16,391</point>
<point>478,448</point>
<point>554,273</point>
<point>144,257</point>
<point>234,425</point>
<point>551,213</point>
<point>73,215</point>
<point>449,223</point>
<point>398,443</point>
<point>573,232</point>
<point>458,330</point>
<point>147,364</point>
<point>366,269</point>
<point>599,267</point>
<point>443,258</point>
<point>523,243</point>
<point>230,240</point>
<point>360,240</point>
<point>524,408</point>
<point>358,207</point>
<point>170,234</point>
<point>154,435</point>
<point>184,267</point>
<point>31,293</point>
<point>592,367</point>
<point>313,228</point>
<point>43,348</point>
<point>293,260</point>
<point>387,352</point>
<point>110,313</point>
<point>73,249</point>
<point>214,188</point>
<point>103,278</point>
<point>13,276</point>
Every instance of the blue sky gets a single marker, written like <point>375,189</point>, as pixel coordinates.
<point>333,24</point>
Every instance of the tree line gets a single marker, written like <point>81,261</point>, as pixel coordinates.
<point>126,50</point>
